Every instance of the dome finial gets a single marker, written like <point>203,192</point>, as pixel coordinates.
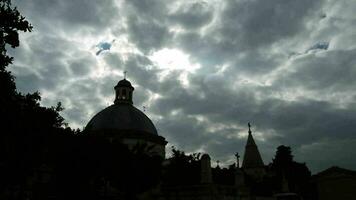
<point>125,73</point>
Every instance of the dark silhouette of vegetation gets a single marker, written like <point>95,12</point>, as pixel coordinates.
<point>182,169</point>
<point>224,176</point>
<point>283,174</point>
<point>11,22</point>
<point>29,131</point>
<point>297,175</point>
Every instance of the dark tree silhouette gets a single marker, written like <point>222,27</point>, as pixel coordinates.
<point>283,157</point>
<point>182,169</point>
<point>28,131</point>
<point>297,175</point>
<point>10,24</point>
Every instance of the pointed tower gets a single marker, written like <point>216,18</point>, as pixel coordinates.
<point>252,161</point>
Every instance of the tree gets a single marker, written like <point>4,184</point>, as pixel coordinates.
<point>11,22</point>
<point>283,157</point>
<point>297,174</point>
<point>182,169</point>
<point>29,132</point>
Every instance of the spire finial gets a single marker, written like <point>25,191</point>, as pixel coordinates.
<point>237,159</point>
<point>125,73</point>
<point>249,127</point>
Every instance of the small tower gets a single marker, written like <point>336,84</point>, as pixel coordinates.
<point>252,161</point>
<point>205,176</point>
<point>123,91</point>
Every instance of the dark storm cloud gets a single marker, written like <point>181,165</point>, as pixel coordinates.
<point>139,67</point>
<point>44,60</point>
<point>192,15</point>
<point>334,70</point>
<point>207,50</point>
<point>49,15</point>
<point>146,24</point>
<point>248,28</point>
<point>148,9</point>
<point>52,62</point>
<point>147,35</point>
<point>254,64</point>
<point>184,127</point>
<point>26,81</point>
<point>334,152</point>
<point>306,121</point>
<point>258,23</point>
<point>81,66</point>
<point>83,96</point>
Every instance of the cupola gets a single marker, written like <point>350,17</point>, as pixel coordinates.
<point>123,91</point>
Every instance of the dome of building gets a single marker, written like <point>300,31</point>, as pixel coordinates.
<point>121,117</point>
<point>124,82</point>
<point>123,122</point>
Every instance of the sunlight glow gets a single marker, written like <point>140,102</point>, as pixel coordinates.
<point>173,59</point>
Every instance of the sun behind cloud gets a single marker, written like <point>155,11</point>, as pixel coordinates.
<point>173,59</point>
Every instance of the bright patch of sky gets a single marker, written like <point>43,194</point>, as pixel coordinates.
<point>173,59</point>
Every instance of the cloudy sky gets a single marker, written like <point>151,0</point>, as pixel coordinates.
<point>204,69</point>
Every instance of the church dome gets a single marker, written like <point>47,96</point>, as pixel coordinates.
<point>121,117</point>
<point>124,83</point>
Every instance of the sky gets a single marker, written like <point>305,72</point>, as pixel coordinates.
<point>203,70</point>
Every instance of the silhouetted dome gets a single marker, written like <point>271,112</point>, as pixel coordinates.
<point>124,82</point>
<point>121,117</point>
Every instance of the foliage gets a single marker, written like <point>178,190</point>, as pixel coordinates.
<point>297,174</point>
<point>182,169</point>
<point>224,176</point>
<point>29,131</point>
<point>10,24</point>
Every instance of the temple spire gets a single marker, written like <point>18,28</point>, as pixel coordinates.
<point>252,157</point>
<point>249,128</point>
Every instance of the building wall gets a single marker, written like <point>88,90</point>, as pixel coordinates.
<point>337,188</point>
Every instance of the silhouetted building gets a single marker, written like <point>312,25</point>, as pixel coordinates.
<point>335,183</point>
<point>124,122</point>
